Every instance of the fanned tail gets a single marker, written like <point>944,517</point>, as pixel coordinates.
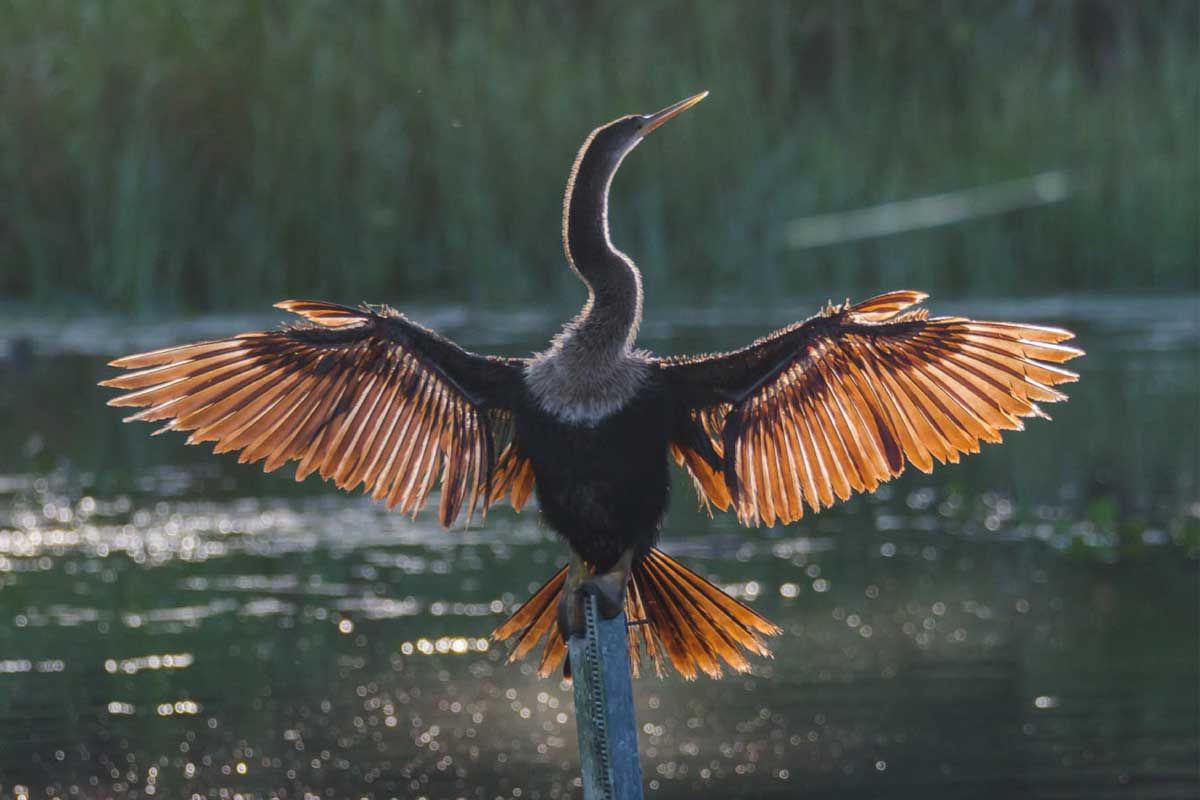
<point>675,617</point>
<point>535,620</point>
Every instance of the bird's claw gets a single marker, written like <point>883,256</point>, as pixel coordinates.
<point>570,614</point>
<point>609,590</point>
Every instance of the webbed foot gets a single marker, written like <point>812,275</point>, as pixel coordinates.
<point>607,587</point>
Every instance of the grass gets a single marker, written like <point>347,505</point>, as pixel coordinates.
<point>188,155</point>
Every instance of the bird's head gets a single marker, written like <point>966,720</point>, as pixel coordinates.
<point>585,208</point>
<point>610,143</point>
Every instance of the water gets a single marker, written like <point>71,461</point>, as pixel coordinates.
<point>1021,625</point>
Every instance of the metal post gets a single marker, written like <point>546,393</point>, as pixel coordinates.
<point>604,718</point>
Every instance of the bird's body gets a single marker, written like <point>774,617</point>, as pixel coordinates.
<point>801,418</point>
<point>602,482</point>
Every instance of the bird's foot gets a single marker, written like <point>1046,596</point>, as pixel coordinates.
<point>608,588</point>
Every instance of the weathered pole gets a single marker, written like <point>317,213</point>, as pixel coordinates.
<point>604,718</point>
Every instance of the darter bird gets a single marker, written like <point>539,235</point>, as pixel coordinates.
<point>803,417</point>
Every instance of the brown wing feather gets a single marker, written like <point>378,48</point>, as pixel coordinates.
<point>355,395</point>
<point>840,403</point>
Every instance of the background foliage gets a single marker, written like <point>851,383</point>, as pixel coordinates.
<point>202,155</point>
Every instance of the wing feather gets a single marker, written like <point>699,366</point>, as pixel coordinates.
<point>362,396</point>
<point>842,402</point>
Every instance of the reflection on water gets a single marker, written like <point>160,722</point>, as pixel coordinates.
<point>1021,625</point>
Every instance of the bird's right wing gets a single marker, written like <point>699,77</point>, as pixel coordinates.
<point>362,396</point>
<point>839,403</point>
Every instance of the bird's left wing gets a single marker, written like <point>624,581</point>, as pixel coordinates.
<point>362,396</point>
<point>837,404</point>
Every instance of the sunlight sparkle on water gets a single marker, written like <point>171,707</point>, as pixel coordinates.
<point>132,666</point>
<point>456,645</point>
<point>178,707</point>
<point>204,582</point>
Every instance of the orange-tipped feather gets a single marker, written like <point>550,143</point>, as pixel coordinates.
<point>683,620</point>
<point>347,396</point>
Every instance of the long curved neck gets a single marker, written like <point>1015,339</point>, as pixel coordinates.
<point>609,320</point>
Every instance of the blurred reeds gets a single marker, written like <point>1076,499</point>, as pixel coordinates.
<point>194,155</point>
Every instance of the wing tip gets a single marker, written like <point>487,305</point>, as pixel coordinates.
<point>329,315</point>
<point>1069,351</point>
<point>138,360</point>
<point>883,307</point>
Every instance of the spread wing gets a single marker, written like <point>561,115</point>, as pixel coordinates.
<point>362,396</point>
<point>837,404</point>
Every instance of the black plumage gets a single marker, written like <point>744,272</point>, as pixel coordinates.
<point>604,487</point>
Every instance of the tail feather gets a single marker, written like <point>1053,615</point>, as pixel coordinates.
<point>700,651</point>
<point>641,637</point>
<point>729,616</point>
<point>675,617</point>
<point>688,643</point>
<point>534,618</point>
<point>553,653</point>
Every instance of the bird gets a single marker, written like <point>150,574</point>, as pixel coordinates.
<point>798,420</point>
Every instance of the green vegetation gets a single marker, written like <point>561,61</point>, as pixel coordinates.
<point>201,155</point>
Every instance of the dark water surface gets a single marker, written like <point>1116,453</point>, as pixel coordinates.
<point>1021,625</point>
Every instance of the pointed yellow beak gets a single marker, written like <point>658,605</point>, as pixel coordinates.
<point>655,120</point>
